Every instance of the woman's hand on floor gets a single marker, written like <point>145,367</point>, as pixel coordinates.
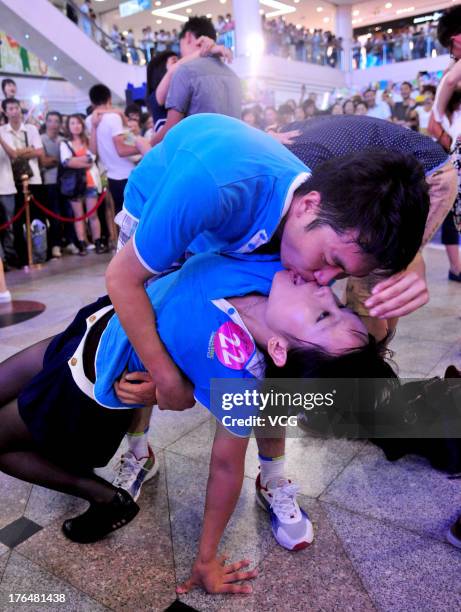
<point>216,577</point>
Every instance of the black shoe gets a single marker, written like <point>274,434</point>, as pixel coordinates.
<point>100,246</point>
<point>454,534</point>
<point>452,372</point>
<point>454,277</point>
<point>101,519</point>
<point>81,246</point>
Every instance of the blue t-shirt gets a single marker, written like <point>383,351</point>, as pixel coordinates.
<point>201,330</point>
<point>213,184</point>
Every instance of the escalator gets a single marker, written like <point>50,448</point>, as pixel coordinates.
<point>43,29</point>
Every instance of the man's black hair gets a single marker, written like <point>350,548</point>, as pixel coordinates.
<point>6,82</point>
<point>369,89</point>
<point>8,101</point>
<point>382,195</point>
<point>99,94</point>
<point>55,113</point>
<point>406,83</point>
<point>449,25</point>
<point>430,88</point>
<point>133,108</point>
<point>198,26</point>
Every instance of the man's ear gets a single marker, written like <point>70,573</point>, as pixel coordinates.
<point>277,349</point>
<point>307,203</point>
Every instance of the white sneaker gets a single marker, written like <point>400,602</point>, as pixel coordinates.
<point>56,252</point>
<point>72,249</point>
<point>132,473</point>
<point>5,297</point>
<point>290,524</point>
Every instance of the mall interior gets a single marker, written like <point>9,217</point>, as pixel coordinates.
<point>108,507</point>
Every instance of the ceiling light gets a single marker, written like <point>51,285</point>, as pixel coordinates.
<point>55,58</point>
<point>209,15</point>
<point>409,9</point>
<point>125,32</point>
<point>158,3</point>
<point>223,1</point>
<point>389,30</point>
<point>80,78</point>
<point>319,9</point>
<point>261,11</point>
<point>388,5</point>
<point>26,35</point>
<point>326,20</point>
<point>356,12</point>
<point>188,10</point>
<point>158,21</point>
<point>296,1</point>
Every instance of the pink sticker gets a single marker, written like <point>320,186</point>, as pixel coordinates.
<point>233,346</point>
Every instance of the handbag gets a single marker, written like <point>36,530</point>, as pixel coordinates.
<point>21,167</point>
<point>72,181</point>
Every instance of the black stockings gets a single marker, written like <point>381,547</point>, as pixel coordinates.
<point>19,456</point>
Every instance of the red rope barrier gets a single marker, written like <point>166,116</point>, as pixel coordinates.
<point>50,213</point>
<point>13,219</point>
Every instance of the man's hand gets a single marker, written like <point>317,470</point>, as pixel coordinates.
<point>216,577</point>
<point>136,388</point>
<point>175,392</point>
<point>398,295</point>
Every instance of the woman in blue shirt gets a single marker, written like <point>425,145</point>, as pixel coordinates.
<point>216,322</point>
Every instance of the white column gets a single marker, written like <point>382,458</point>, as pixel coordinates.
<point>248,31</point>
<point>343,30</point>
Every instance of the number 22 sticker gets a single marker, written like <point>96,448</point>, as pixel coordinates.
<point>233,346</point>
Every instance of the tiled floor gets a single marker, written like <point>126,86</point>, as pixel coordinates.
<point>379,526</point>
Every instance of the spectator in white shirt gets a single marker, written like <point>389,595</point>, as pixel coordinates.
<point>7,203</point>
<point>23,141</point>
<point>379,110</point>
<point>108,140</point>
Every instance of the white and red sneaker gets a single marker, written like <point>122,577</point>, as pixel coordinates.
<point>132,473</point>
<point>290,524</point>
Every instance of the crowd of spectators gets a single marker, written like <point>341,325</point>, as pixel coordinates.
<point>399,103</point>
<point>399,45</point>
<point>100,148</point>
<point>283,39</point>
<point>314,46</point>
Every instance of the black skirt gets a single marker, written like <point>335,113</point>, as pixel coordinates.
<point>69,427</point>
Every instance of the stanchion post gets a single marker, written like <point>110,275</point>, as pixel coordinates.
<point>26,192</point>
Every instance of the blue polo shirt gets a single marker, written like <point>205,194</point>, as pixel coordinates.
<point>213,184</point>
<point>201,330</point>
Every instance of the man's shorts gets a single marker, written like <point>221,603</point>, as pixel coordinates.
<point>443,188</point>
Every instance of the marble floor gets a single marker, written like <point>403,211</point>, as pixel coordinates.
<point>380,527</point>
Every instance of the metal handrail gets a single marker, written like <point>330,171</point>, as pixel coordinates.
<point>98,35</point>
